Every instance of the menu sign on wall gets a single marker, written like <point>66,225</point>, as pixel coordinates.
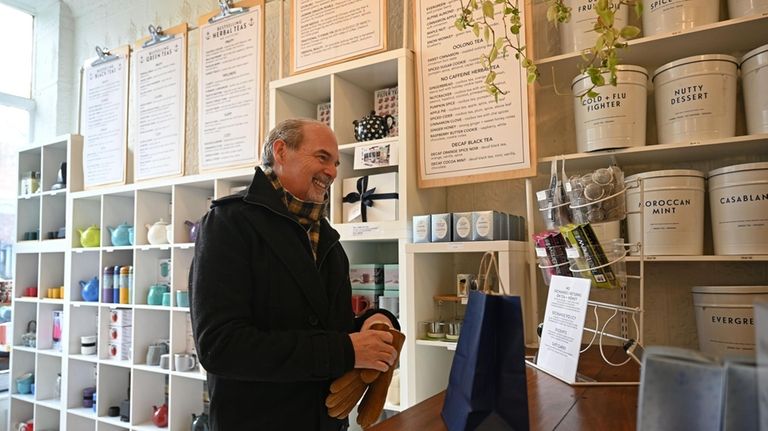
<point>160,94</point>
<point>465,136</point>
<point>105,116</point>
<point>329,31</point>
<point>231,73</point>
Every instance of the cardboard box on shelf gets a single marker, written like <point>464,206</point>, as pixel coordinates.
<point>380,189</point>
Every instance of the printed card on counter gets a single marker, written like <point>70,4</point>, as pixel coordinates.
<point>563,326</point>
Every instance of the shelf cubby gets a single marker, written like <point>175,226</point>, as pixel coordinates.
<point>83,321</point>
<point>45,325</point>
<point>54,212</point>
<point>190,203</point>
<point>84,265</point>
<point>150,326</point>
<point>54,155</point>
<point>86,212</point>
<point>152,205</point>
<point>146,271</point>
<point>48,367</point>
<point>21,410</point>
<point>112,388</point>
<point>28,217</point>
<point>117,209</point>
<point>52,272</point>
<point>179,407</point>
<point>80,375</point>
<point>27,265</point>
<point>23,313</point>
<point>181,260</point>
<point>148,390</point>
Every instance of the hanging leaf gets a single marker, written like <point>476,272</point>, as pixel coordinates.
<point>476,29</point>
<point>490,78</point>
<point>552,14</point>
<point>487,34</point>
<point>492,55</point>
<point>488,9</point>
<point>629,32</point>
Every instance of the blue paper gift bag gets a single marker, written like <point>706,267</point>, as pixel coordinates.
<point>487,379</point>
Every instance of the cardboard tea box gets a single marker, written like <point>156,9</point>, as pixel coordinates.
<point>391,277</point>
<point>422,228</point>
<point>366,274</point>
<point>462,226</point>
<point>441,227</point>
<point>486,225</point>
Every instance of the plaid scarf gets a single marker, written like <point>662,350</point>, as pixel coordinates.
<point>308,214</point>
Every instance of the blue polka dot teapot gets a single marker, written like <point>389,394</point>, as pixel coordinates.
<point>373,127</point>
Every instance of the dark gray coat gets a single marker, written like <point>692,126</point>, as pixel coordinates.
<point>270,325</point>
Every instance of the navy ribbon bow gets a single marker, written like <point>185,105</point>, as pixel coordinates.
<point>366,197</point>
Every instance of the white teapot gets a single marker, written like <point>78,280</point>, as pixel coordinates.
<point>157,233</point>
<point>169,233</point>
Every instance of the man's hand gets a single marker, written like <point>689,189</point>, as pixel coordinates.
<point>373,349</point>
<point>376,318</point>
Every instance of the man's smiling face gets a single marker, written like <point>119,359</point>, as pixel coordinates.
<point>308,171</point>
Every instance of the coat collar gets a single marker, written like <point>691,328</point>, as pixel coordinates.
<point>286,237</point>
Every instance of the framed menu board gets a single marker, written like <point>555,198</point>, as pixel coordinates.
<point>330,31</point>
<point>464,135</point>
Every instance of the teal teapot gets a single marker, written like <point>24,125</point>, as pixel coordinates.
<point>120,235</point>
<point>200,423</point>
<point>155,295</point>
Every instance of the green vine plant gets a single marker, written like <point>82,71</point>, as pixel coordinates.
<point>603,58</point>
<point>600,59</point>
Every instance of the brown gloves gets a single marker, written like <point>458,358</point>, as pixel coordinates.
<point>347,389</point>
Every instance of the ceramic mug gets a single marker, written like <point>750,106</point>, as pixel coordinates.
<point>26,426</point>
<point>359,303</point>
<point>165,360</point>
<point>182,298</point>
<point>184,361</point>
<point>88,345</point>
<point>155,353</point>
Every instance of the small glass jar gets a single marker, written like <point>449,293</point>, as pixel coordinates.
<point>58,386</point>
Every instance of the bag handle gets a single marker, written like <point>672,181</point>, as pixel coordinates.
<point>487,263</point>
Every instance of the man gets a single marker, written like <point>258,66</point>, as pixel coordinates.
<point>271,298</point>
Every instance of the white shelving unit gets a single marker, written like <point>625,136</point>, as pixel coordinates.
<point>174,200</point>
<point>40,263</point>
<point>665,323</point>
<point>350,87</point>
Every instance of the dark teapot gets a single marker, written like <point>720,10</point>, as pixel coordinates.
<point>200,423</point>
<point>373,127</point>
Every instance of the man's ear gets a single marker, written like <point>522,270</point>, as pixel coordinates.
<point>278,150</point>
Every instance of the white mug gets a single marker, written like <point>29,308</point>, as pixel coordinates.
<point>184,361</point>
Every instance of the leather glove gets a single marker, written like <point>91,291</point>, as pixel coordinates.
<point>345,393</point>
<point>373,402</point>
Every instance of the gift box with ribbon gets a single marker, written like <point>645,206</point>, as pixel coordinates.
<point>370,198</point>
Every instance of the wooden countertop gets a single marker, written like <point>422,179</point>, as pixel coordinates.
<point>552,404</point>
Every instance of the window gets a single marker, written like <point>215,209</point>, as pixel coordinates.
<point>16,108</point>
